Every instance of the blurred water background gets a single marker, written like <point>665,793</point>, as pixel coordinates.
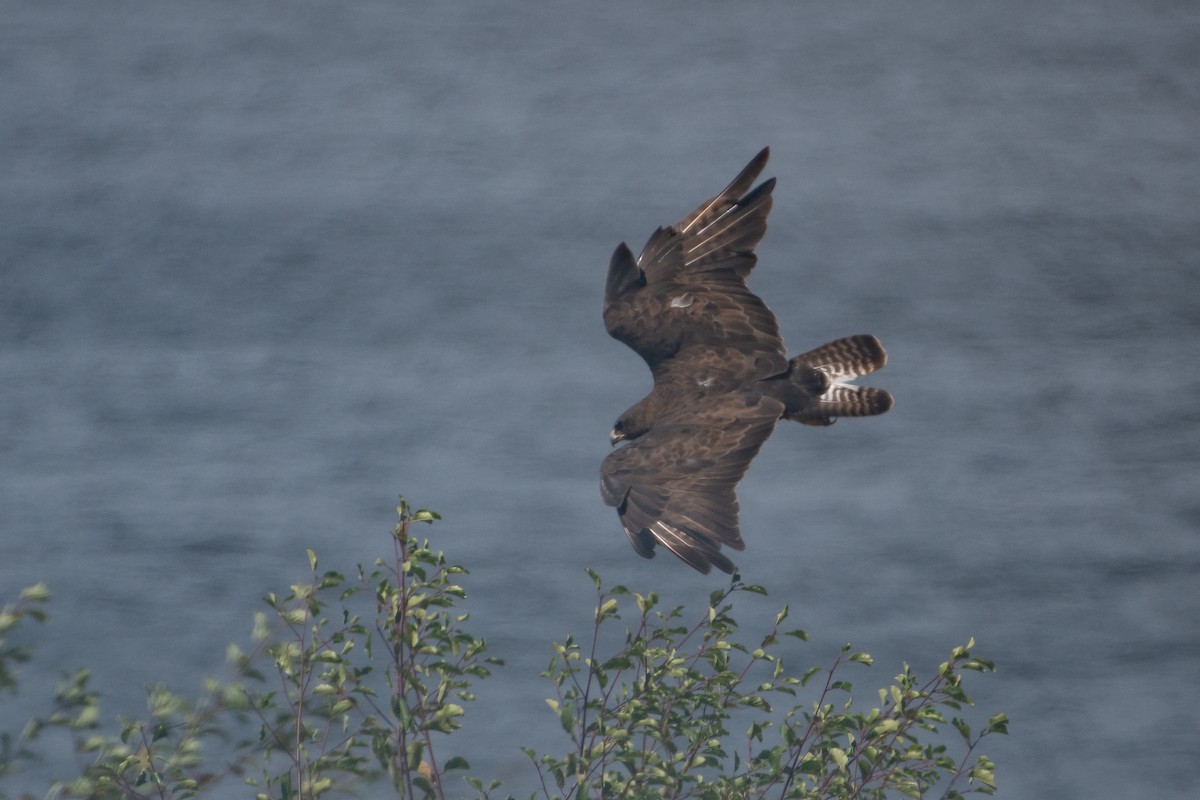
<point>264,266</point>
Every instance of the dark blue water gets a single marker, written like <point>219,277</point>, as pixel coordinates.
<point>265,266</point>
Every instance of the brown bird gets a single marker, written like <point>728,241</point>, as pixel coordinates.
<point>722,377</point>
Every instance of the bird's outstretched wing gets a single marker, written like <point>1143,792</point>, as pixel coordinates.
<point>688,286</point>
<point>676,485</point>
<point>720,234</point>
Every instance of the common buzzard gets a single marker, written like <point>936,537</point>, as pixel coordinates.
<point>722,377</point>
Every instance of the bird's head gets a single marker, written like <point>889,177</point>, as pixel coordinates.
<point>617,434</point>
<point>632,424</point>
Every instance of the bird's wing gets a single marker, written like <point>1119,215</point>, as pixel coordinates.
<point>688,286</point>
<point>720,234</point>
<point>675,486</point>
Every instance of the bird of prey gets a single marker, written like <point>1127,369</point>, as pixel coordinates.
<point>722,378</point>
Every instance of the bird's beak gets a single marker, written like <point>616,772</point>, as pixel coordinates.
<point>615,436</point>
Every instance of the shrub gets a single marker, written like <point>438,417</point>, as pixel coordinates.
<point>336,695</point>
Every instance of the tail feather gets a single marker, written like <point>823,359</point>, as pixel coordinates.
<point>842,361</point>
<point>843,401</point>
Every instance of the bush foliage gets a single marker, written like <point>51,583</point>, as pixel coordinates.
<point>360,682</point>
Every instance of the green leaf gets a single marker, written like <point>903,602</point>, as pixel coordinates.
<point>295,616</point>
<point>887,726</point>
<point>984,776</point>
<point>962,727</point>
<point>37,593</point>
<point>260,631</point>
<point>457,762</point>
<point>445,718</point>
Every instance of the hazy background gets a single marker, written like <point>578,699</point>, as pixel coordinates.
<point>266,265</point>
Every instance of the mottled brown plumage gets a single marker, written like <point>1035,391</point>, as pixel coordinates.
<point>722,378</point>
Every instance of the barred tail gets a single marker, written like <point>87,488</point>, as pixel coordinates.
<point>842,361</point>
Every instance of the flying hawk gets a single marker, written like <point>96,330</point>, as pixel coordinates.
<point>722,377</point>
